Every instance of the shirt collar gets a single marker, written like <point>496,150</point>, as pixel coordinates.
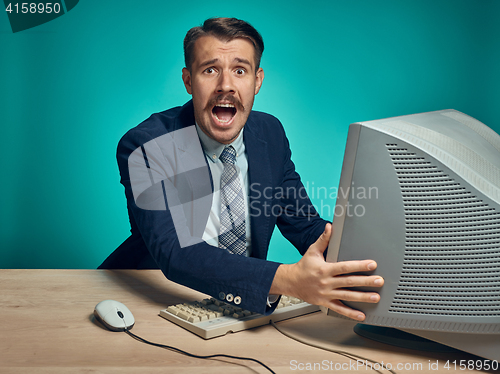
<point>213,148</point>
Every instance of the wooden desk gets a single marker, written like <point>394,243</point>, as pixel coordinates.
<point>47,326</point>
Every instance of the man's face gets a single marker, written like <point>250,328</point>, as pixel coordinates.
<point>223,83</point>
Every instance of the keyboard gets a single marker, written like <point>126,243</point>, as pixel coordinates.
<point>211,318</point>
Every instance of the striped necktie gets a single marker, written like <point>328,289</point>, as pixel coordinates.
<point>232,235</point>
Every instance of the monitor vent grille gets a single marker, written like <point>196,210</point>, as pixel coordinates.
<point>452,251</point>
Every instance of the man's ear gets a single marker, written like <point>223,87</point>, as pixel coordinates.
<point>186,78</point>
<point>259,78</point>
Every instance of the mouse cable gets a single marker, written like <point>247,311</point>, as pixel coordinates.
<point>341,353</point>
<point>196,356</point>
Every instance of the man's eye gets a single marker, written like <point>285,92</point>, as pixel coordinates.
<point>240,71</point>
<point>209,70</point>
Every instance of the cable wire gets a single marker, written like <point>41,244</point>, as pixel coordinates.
<point>196,356</point>
<point>341,353</point>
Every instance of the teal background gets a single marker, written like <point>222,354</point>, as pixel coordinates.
<point>72,87</point>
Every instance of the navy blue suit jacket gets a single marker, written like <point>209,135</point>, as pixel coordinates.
<point>277,197</point>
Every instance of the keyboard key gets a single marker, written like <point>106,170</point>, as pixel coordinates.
<point>210,317</point>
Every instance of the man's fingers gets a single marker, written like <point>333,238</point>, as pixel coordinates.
<point>338,307</point>
<point>348,281</point>
<point>362,297</point>
<point>322,283</point>
<point>320,245</point>
<point>346,267</point>
<point>346,295</point>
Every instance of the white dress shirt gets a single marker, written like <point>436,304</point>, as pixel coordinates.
<point>213,150</point>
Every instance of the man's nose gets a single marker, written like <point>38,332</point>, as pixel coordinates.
<point>225,83</point>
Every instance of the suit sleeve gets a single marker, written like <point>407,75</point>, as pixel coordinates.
<point>181,256</point>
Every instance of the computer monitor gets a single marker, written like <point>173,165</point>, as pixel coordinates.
<point>420,195</point>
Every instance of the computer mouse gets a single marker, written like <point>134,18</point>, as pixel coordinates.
<point>114,315</point>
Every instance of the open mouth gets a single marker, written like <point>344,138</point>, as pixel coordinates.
<point>224,113</point>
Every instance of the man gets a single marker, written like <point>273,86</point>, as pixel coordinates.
<point>178,166</point>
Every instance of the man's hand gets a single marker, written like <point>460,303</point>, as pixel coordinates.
<point>318,282</point>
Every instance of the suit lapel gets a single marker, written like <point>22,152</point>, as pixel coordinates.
<point>260,191</point>
<point>196,178</point>
<point>185,120</point>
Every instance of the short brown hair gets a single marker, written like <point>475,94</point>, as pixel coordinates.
<point>224,29</point>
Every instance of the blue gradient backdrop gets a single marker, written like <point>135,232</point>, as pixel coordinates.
<point>69,89</point>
